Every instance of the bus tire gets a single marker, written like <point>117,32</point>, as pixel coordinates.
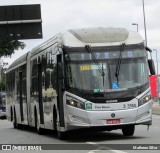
<point>37,126</point>
<point>62,135</point>
<point>128,130</point>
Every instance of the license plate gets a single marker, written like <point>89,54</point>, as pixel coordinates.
<point>113,121</point>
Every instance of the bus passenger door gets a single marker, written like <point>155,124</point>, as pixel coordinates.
<point>60,85</point>
<point>20,96</point>
<point>40,93</point>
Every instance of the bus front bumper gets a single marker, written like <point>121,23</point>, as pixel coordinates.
<point>77,118</point>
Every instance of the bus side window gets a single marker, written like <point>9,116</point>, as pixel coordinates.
<point>54,73</point>
<point>44,65</point>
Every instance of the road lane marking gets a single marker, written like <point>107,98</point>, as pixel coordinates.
<point>93,151</point>
<point>100,148</point>
<point>93,143</point>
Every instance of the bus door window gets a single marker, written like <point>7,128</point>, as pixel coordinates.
<point>20,95</point>
<point>44,87</point>
<point>40,90</point>
<point>34,83</point>
<point>54,73</point>
<point>49,74</point>
<point>48,81</point>
<point>24,96</point>
<point>16,85</point>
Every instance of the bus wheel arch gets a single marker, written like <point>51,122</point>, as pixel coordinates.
<point>62,135</point>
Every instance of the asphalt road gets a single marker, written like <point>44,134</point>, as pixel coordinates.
<point>98,141</point>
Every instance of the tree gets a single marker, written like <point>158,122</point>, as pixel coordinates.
<point>2,86</point>
<point>7,48</point>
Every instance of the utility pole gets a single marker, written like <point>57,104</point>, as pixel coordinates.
<point>144,23</point>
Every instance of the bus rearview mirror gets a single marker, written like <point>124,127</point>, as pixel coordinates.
<point>151,67</point>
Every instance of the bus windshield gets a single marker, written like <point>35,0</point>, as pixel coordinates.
<point>83,73</point>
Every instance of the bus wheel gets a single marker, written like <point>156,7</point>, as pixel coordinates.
<point>62,135</point>
<point>128,130</point>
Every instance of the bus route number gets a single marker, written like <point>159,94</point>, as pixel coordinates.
<point>129,106</point>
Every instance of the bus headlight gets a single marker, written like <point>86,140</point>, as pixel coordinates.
<point>75,103</point>
<point>144,100</point>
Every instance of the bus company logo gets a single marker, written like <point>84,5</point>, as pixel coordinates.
<point>113,115</point>
<point>88,106</point>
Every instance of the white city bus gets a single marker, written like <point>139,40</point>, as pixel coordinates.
<point>82,78</point>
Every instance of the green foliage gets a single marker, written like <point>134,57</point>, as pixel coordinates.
<point>3,79</point>
<point>7,48</point>
<point>2,86</point>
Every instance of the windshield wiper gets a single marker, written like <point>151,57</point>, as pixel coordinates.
<point>118,66</point>
<point>101,69</point>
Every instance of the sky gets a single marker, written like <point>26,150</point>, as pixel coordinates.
<point>60,15</point>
